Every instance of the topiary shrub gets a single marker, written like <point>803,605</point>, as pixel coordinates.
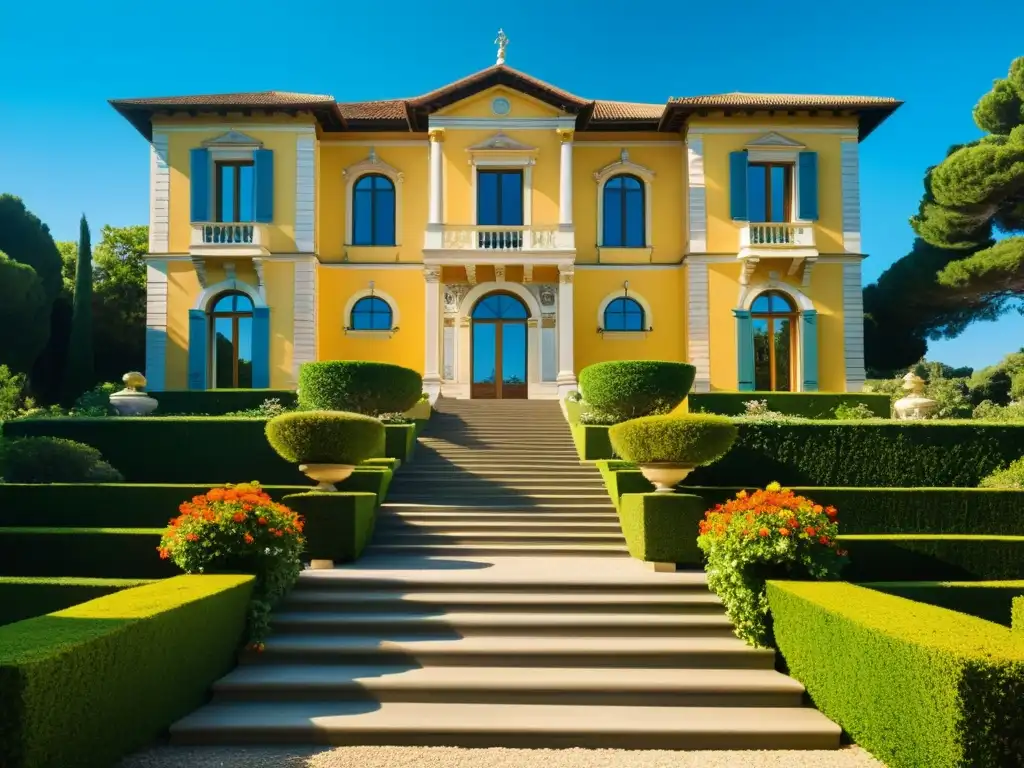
<point>326,437</point>
<point>53,460</point>
<point>693,439</point>
<point>358,386</point>
<point>628,389</point>
<point>1011,477</point>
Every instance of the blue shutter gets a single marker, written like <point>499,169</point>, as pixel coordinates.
<point>197,338</point>
<point>744,350</point>
<point>809,336</point>
<point>260,347</point>
<point>263,185</point>
<point>807,172</point>
<point>199,181</point>
<point>738,185</point>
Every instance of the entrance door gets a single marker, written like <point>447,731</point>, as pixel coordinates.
<point>499,347</point>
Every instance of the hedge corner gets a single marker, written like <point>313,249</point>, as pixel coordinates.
<point>662,527</point>
<point>338,525</point>
<point>399,441</point>
<point>592,442</point>
<point>1017,614</point>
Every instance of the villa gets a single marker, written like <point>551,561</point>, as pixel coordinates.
<point>499,234</point>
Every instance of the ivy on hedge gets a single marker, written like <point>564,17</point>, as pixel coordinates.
<point>83,687</point>
<point>913,684</point>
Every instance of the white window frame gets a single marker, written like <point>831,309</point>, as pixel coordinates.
<point>230,146</point>
<point>775,148</point>
<point>372,164</point>
<point>624,166</point>
<point>367,334</point>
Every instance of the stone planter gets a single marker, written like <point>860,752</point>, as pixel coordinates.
<point>326,475</point>
<point>665,475</point>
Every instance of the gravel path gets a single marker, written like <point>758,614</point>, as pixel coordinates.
<point>433,757</point>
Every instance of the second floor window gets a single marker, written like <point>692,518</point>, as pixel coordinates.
<point>624,216</point>
<point>371,313</point>
<point>235,193</point>
<point>624,314</point>
<point>770,192</point>
<point>373,211</point>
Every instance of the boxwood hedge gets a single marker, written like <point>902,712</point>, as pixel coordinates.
<point>662,527</point>
<point>989,600</point>
<point>912,557</point>
<point>1017,614</point>
<point>627,389</point>
<point>692,439</point>
<point>810,405</point>
<point>25,597</point>
<point>358,385</point>
<point>217,402</point>
<point>325,437</point>
<point>338,525</point>
<point>114,553</point>
<point>914,684</point>
<point>83,687</point>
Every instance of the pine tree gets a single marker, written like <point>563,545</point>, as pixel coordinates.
<point>80,375</point>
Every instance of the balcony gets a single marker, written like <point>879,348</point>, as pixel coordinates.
<point>214,238</point>
<point>482,243</point>
<point>789,242</point>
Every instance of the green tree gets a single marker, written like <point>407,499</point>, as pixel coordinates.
<point>24,315</point>
<point>119,279</point>
<point>68,250</point>
<point>974,204</point>
<point>24,238</point>
<point>80,371</point>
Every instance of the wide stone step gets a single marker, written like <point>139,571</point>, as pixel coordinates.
<point>495,516</point>
<point>507,725</point>
<point>494,496</point>
<point>498,536</point>
<point>603,506</point>
<point>470,623</point>
<point>512,685</point>
<point>487,464</point>
<point>483,488</point>
<point>503,550</point>
<point>396,525</point>
<point>719,652</point>
<point>460,475</point>
<point>556,602</point>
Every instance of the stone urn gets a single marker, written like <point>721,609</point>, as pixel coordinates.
<point>665,476</point>
<point>915,405</point>
<point>132,401</point>
<point>326,475</point>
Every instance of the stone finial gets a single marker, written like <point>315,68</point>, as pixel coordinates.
<point>502,42</point>
<point>913,383</point>
<point>131,401</point>
<point>915,405</point>
<point>134,381</point>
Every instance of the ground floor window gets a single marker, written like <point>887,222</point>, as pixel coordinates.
<point>774,323</point>
<point>231,341</point>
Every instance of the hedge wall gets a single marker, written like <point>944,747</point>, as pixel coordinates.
<point>400,440</point>
<point>989,600</point>
<point>338,525</point>
<point>111,553</point>
<point>913,684</point>
<point>935,558</point>
<point>217,402</point>
<point>23,598</point>
<point>1017,614</point>
<point>810,405</point>
<point>662,527</point>
<point>83,687</point>
<point>195,450</point>
<point>592,442</point>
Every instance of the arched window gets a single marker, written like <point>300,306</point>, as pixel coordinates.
<point>623,210</point>
<point>371,313</point>
<point>373,211</point>
<point>231,341</point>
<point>624,314</point>
<point>774,321</point>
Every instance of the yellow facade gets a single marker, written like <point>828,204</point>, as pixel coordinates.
<point>378,230</point>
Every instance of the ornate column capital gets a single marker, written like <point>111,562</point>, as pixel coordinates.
<point>432,274</point>
<point>436,135</point>
<point>565,135</point>
<point>565,275</point>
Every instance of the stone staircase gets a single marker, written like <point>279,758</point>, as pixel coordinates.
<point>495,608</point>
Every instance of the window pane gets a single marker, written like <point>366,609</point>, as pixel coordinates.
<point>762,304</point>
<point>486,308</point>
<point>757,205</point>
<point>513,353</point>
<point>614,318</point>
<point>223,353</point>
<point>362,217</point>
<point>512,308</point>
<point>487,197</point>
<point>483,352</point>
<point>244,352</point>
<point>511,198</point>
<point>778,192</point>
<point>634,218</point>
<point>762,358</point>
<point>226,192</point>
<point>247,194</point>
<point>613,223</point>
<point>783,339</point>
<point>384,216</point>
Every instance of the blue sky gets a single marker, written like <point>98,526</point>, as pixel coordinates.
<point>64,150</point>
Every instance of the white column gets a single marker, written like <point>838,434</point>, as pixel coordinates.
<point>436,197</point>
<point>432,339</point>
<point>565,180</point>
<point>566,374</point>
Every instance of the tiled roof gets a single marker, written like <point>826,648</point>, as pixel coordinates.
<point>782,101</point>
<point>391,109</point>
<point>627,110</point>
<point>496,71</point>
<point>256,99</point>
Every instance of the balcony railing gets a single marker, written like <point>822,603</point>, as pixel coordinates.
<point>499,238</point>
<point>227,236</point>
<point>777,235</point>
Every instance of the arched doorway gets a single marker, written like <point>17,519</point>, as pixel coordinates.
<point>498,348</point>
<point>231,320</point>
<point>774,321</point>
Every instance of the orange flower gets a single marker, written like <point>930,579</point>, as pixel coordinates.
<point>278,534</point>
<point>824,540</point>
<point>164,552</point>
<point>262,521</point>
<point>784,531</point>
<point>817,509</point>
<point>793,523</point>
<point>191,537</point>
<point>248,538</point>
<point>238,517</point>
<point>809,530</point>
<point>830,511</point>
<point>764,532</point>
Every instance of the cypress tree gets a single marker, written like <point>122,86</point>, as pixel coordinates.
<point>80,375</point>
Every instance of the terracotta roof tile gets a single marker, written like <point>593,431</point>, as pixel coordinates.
<point>254,99</point>
<point>627,110</point>
<point>492,70</point>
<point>390,109</point>
<point>782,100</point>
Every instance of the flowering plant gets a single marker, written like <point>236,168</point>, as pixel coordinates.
<point>766,534</point>
<point>239,529</point>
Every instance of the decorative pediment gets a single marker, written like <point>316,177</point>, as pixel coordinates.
<point>233,139</point>
<point>501,142</point>
<point>623,165</point>
<point>373,164</point>
<point>773,140</point>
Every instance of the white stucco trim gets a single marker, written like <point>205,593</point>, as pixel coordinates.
<point>159,194</point>
<point>624,166</point>
<point>372,164</point>
<point>211,292</point>
<point>495,123</point>
<point>698,324</point>
<point>850,171</point>
<point>750,292</point>
<point>480,290</point>
<point>697,206</point>
<point>377,294</point>
<point>262,127</point>
<point>156,324</point>
<point>305,193</point>
<point>853,327</point>
<point>644,304</point>
<point>304,315</point>
<point>710,129</point>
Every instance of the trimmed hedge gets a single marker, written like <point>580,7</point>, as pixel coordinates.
<point>181,449</point>
<point>913,684</point>
<point>630,388</point>
<point>359,386</point>
<point>325,437</point>
<point>367,479</point>
<point>592,442</point>
<point>217,402</point>
<point>53,460</point>
<point>83,687</point>
<point>988,600</point>
<point>621,478</point>
<point>662,527</point>
<point>23,598</point>
<point>935,558</point>
<point>400,441</point>
<point>809,405</point>
<point>693,439</point>
<point>1017,614</point>
<point>114,553</point>
<point>338,525</point>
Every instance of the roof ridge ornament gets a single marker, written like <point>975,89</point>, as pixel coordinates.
<point>502,42</point>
